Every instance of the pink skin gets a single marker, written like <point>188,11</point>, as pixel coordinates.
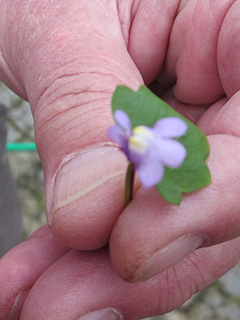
<point>66,58</point>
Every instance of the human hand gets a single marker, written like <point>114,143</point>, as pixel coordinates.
<point>42,279</point>
<point>61,60</point>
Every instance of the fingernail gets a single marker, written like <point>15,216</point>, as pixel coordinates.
<point>17,305</point>
<point>85,172</point>
<point>168,256</point>
<point>104,314</point>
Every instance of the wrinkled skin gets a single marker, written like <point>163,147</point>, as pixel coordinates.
<point>66,57</point>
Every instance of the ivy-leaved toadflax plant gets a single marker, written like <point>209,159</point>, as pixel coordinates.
<point>166,150</point>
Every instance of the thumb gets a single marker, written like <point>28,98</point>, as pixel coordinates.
<point>84,173</point>
<point>67,59</point>
<point>71,62</point>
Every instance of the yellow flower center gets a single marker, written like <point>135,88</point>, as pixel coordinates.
<point>139,141</point>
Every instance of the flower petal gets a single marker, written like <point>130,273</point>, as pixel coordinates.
<point>170,127</point>
<point>123,120</point>
<point>150,172</point>
<point>116,134</point>
<point>171,153</point>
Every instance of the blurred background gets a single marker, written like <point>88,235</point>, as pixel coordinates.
<point>220,301</point>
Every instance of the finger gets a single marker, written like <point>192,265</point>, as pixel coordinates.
<point>191,59</point>
<point>190,111</point>
<point>21,267</point>
<point>150,235</point>
<point>228,53</point>
<point>86,282</point>
<point>149,35</point>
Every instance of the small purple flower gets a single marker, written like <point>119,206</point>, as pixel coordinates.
<point>150,149</point>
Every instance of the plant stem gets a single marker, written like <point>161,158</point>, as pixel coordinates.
<point>129,183</point>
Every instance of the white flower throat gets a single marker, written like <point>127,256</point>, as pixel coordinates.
<point>140,139</point>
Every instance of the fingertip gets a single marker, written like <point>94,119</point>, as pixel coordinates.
<point>103,314</point>
<point>88,197</point>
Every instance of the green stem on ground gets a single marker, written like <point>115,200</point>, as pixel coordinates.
<point>21,146</point>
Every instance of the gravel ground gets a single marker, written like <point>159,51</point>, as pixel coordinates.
<point>220,301</point>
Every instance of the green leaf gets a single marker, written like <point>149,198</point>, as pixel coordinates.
<point>145,108</point>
